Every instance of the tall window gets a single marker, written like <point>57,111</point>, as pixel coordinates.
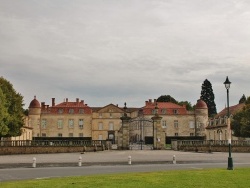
<point>80,134</point>
<point>100,137</point>
<point>60,123</point>
<point>100,126</point>
<point>71,123</point>
<point>111,126</point>
<point>110,115</point>
<point>176,124</point>
<point>191,124</point>
<point>80,123</point>
<point>38,122</point>
<point>44,124</point>
<point>164,124</point>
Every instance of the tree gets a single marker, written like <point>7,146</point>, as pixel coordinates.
<point>242,99</point>
<point>188,105</point>
<point>207,95</point>
<point>13,103</point>
<point>4,116</point>
<point>166,98</point>
<point>241,122</point>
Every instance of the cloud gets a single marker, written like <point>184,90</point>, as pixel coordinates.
<point>117,51</point>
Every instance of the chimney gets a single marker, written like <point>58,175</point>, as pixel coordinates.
<point>66,99</point>
<point>43,105</point>
<point>146,103</point>
<point>82,101</point>
<point>154,100</point>
<point>53,101</point>
<point>77,100</point>
<point>150,100</point>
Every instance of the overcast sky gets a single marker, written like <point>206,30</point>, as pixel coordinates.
<point>128,50</point>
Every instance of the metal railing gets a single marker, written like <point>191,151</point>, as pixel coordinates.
<point>52,143</point>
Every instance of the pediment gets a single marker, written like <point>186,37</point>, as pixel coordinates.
<point>111,108</point>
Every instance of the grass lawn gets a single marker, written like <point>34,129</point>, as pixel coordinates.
<point>182,178</point>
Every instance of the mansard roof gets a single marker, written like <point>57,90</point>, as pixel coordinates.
<point>71,104</point>
<point>169,108</point>
<point>232,110</point>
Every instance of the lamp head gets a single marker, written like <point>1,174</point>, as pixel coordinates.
<point>227,83</point>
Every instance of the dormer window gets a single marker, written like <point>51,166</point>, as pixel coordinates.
<point>175,111</point>
<point>153,111</point>
<point>71,111</point>
<point>81,111</point>
<point>164,111</point>
<point>60,111</point>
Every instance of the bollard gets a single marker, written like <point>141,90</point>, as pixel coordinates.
<point>34,162</point>
<point>129,160</point>
<point>80,161</point>
<point>174,159</point>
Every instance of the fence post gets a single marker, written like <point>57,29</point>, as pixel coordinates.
<point>34,162</point>
<point>129,160</point>
<point>174,159</point>
<point>80,161</point>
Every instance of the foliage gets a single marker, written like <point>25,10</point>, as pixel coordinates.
<point>241,121</point>
<point>168,98</point>
<point>204,178</point>
<point>13,102</point>
<point>242,99</point>
<point>4,116</point>
<point>207,95</point>
<point>187,104</point>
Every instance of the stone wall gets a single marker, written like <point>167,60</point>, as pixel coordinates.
<point>208,148</point>
<point>13,150</point>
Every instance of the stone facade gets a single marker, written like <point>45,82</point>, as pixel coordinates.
<point>176,120</point>
<point>77,119</point>
<point>217,128</point>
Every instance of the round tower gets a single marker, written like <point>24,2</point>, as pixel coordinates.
<point>201,108</point>
<point>34,107</point>
<point>34,117</point>
<point>201,117</point>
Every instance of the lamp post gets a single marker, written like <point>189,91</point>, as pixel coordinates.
<point>230,159</point>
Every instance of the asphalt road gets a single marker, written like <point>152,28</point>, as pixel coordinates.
<point>19,167</point>
<point>52,172</point>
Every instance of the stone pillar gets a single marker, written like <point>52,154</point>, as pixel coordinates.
<point>158,133</point>
<point>124,144</point>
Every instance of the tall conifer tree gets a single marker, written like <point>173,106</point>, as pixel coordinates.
<point>207,95</point>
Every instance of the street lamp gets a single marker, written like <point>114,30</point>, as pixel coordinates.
<point>230,159</point>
